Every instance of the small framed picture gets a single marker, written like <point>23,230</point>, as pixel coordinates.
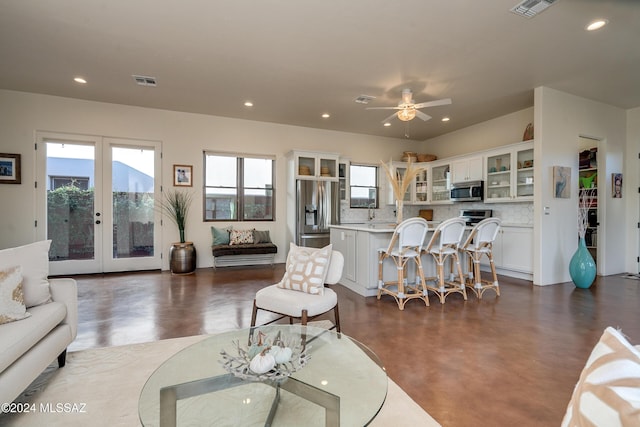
<point>616,183</point>
<point>9,168</point>
<point>182,176</point>
<point>561,182</point>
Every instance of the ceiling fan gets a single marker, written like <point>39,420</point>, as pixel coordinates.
<point>408,109</point>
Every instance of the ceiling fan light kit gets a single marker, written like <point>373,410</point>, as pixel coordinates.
<point>408,109</point>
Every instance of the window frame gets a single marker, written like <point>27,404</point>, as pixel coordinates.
<point>376,187</point>
<point>240,189</point>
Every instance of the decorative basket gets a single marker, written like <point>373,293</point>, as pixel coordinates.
<point>409,155</point>
<point>426,157</point>
<point>288,353</point>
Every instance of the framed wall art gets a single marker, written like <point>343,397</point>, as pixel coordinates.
<point>182,175</point>
<point>561,182</point>
<point>616,184</point>
<point>9,168</point>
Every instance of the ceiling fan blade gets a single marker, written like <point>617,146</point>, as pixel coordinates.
<point>445,101</point>
<point>384,108</point>
<point>389,118</point>
<point>422,115</point>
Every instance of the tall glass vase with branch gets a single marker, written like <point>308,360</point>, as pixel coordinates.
<point>400,183</point>
<point>582,267</point>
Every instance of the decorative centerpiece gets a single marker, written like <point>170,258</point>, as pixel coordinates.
<point>400,183</point>
<point>266,359</point>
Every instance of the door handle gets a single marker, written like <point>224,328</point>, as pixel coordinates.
<point>98,222</point>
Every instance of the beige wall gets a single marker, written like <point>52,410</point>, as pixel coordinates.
<point>631,186</point>
<point>483,136</point>
<point>184,137</point>
<point>560,119</point>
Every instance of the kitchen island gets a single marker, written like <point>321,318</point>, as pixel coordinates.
<point>359,243</point>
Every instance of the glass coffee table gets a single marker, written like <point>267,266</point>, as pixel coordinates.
<point>343,383</point>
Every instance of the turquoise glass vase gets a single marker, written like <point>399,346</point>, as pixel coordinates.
<point>582,267</point>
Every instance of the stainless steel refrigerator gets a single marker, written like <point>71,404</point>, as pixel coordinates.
<point>318,206</point>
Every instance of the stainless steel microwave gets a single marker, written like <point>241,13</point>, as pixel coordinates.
<point>467,191</point>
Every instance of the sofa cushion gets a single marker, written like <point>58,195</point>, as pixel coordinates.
<point>12,306</point>
<point>608,391</point>
<point>34,260</point>
<point>18,337</point>
<point>261,236</point>
<point>220,235</point>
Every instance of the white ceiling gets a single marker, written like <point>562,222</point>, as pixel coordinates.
<point>297,59</point>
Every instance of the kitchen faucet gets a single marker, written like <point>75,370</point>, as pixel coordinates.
<point>371,213</point>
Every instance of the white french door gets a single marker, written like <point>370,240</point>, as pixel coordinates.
<point>96,202</point>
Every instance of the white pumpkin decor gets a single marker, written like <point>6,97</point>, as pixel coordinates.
<point>262,363</point>
<point>267,359</point>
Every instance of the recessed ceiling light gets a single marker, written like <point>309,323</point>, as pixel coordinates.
<point>387,124</point>
<point>79,80</point>
<point>326,115</point>
<point>248,104</point>
<point>596,25</point>
<point>445,119</point>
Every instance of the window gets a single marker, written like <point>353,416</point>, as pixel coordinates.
<point>238,188</point>
<point>80,182</point>
<point>363,186</point>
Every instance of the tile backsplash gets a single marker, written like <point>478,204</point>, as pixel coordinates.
<point>510,213</point>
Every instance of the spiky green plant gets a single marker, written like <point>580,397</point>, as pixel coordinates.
<point>175,204</point>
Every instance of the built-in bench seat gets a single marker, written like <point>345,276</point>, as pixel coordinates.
<point>245,254</point>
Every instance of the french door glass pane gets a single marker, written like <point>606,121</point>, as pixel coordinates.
<point>70,201</point>
<point>133,203</point>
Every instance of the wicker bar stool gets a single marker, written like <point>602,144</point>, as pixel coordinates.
<point>444,246</point>
<point>479,244</point>
<point>405,245</point>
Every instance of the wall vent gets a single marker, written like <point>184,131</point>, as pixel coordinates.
<point>364,99</point>
<point>145,80</point>
<point>530,8</point>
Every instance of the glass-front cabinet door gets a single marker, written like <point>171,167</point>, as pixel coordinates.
<point>524,185</point>
<point>499,177</point>
<point>441,183</point>
<point>421,189</point>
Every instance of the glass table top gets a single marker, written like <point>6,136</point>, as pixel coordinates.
<point>340,373</point>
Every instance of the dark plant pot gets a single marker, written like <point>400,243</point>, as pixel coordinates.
<point>182,258</point>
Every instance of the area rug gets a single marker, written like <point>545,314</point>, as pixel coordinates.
<point>100,387</point>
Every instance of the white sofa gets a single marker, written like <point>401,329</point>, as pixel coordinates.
<point>31,344</point>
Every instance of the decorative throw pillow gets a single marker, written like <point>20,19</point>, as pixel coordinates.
<point>12,306</point>
<point>241,237</point>
<point>34,261</point>
<point>220,235</point>
<point>261,236</point>
<point>608,391</point>
<point>306,269</point>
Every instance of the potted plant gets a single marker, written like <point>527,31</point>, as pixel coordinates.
<point>182,255</point>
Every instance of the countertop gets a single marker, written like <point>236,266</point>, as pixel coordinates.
<point>387,227</point>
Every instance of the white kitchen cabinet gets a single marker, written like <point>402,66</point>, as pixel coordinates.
<point>343,179</point>
<point>418,191</point>
<point>513,249</point>
<point>344,241</point>
<point>510,174</point>
<point>467,169</point>
<point>316,165</point>
<point>440,183</point>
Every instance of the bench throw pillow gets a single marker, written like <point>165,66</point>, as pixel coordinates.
<point>12,306</point>
<point>220,235</point>
<point>34,262</point>
<point>608,391</point>
<point>306,269</point>
<point>260,236</point>
<point>241,237</point>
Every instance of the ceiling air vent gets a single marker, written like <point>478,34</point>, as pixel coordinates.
<point>364,99</point>
<point>145,80</point>
<point>530,8</point>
